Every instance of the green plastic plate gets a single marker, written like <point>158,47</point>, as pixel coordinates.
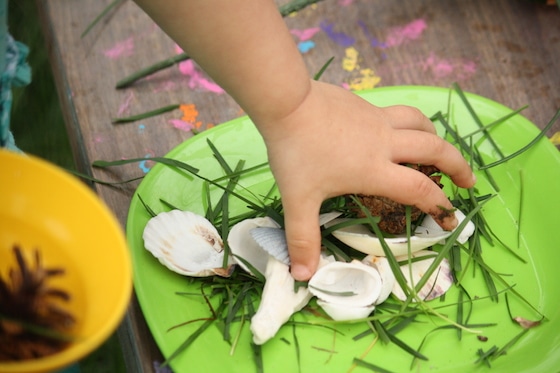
<point>311,348</point>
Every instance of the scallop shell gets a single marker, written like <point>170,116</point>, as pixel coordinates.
<point>186,243</point>
<point>346,291</point>
<point>273,241</point>
<point>359,236</point>
<point>438,283</point>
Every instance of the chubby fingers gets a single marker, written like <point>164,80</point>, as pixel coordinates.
<point>427,149</point>
<point>301,217</point>
<point>407,117</point>
<point>411,187</point>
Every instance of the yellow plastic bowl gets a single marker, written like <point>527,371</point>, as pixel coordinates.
<point>43,207</point>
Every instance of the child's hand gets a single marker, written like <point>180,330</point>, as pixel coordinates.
<point>336,143</point>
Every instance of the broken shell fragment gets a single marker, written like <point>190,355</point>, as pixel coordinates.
<point>278,302</point>
<point>438,283</point>
<point>428,233</point>
<point>186,243</point>
<point>381,264</point>
<point>346,291</point>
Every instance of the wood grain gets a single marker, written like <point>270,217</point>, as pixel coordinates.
<point>506,50</point>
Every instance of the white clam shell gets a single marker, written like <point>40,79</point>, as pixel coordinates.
<point>243,245</point>
<point>186,243</point>
<point>438,283</point>
<point>340,285</point>
<point>341,312</point>
<point>427,234</point>
<point>387,277</point>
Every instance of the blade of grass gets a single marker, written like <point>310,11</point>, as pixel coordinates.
<point>148,114</point>
<point>476,118</point>
<point>323,68</point>
<point>526,147</point>
<point>100,16</point>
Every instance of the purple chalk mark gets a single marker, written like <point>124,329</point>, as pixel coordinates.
<point>306,34</point>
<point>373,41</point>
<point>338,37</point>
<point>406,33</point>
<point>123,48</point>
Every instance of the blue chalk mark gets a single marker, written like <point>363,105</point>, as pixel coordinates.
<point>141,128</point>
<point>143,165</point>
<point>306,46</point>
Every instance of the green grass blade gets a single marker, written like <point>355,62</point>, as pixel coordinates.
<point>526,147</point>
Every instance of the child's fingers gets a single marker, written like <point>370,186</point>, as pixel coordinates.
<point>410,187</point>
<point>427,149</point>
<point>408,117</point>
<point>301,217</point>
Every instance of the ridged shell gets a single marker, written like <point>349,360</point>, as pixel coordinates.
<point>186,243</point>
<point>244,246</point>
<point>362,239</point>
<point>273,241</point>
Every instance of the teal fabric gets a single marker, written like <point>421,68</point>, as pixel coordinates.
<point>16,73</point>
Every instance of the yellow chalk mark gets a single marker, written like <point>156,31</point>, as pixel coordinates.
<point>350,61</point>
<point>367,80</point>
<point>555,139</point>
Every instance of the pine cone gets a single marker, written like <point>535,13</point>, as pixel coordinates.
<point>28,303</point>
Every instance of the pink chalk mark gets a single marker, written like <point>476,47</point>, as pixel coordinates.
<point>406,33</point>
<point>306,34</point>
<point>165,87</point>
<point>459,69</point>
<point>197,79</point>
<point>123,48</point>
<point>125,105</point>
<point>345,2</point>
<point>181,125</point>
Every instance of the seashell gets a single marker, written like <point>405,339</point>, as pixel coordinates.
<point>186,243</point>
<point>430,224</point>
<point>425,235</point>
<point>346,290</point>
<point>342,312</point>
<point>273,241</point>
<point>438,283</point>
<point>278,302</point>
<point>242,244</point>
<point>387,277</point>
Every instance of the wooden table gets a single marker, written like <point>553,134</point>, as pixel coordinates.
<point>506,50</point>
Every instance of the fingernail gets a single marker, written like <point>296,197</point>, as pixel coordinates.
<point>451,222</point>
<point>474,178</point>
<point>300,272</point>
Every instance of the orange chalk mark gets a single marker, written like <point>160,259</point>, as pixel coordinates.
<point>189,113</point>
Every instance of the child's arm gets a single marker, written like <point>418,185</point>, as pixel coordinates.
<point>322,140</point>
